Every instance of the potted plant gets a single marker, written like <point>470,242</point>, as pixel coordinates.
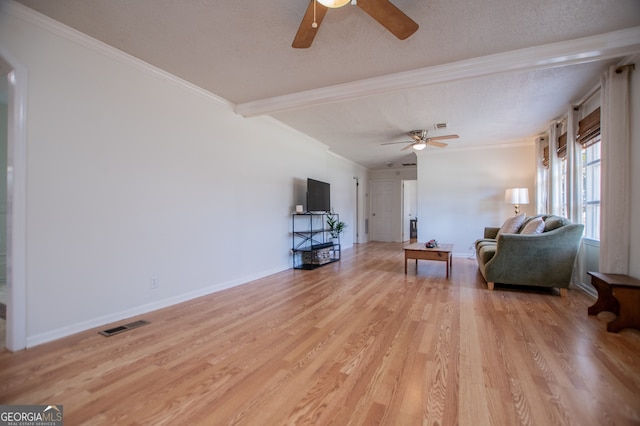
<point>335,226</point>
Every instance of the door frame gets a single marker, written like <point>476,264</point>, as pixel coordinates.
<point>409,195</point>
<point>16,74</point>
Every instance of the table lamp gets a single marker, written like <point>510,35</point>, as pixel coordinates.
<point>517,196</point>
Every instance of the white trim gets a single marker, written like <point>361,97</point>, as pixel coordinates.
<point>61,332</point>
<point>589,290</point>
<point>521,143</point>
<point>44,22</point>
<point>16,331</point>
<point>578,51</point>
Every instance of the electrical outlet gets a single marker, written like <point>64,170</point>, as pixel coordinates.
<point>154,283</point>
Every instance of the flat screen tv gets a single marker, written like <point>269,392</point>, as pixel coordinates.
<point>318,196</point>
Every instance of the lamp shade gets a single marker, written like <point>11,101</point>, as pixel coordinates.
<point>517,196</point>
<point>333,3</point>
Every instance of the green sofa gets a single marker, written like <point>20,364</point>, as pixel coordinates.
<point>544,259</point>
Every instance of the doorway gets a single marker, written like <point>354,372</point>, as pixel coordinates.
<point>356,228</point>
<point>4,136</point>
<point>409,208</point>
<point>14,89</point>
<point>383,203</point>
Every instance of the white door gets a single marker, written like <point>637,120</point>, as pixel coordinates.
<point>382,207</point>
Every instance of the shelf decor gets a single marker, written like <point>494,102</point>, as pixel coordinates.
<point>335,225</point>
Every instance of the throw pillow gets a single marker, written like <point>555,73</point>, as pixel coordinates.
<point>511,225</point>
<point>554,222</point>
<point>536,226</point>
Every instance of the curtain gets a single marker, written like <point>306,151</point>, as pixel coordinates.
<point>554,203</point>
<point>574,188</point>
<point>574,169</point>
<point>541,176</point>
<point>615,215</point>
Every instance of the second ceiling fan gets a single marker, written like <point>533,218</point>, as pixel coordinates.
<point>383,11</point>
<point>420,140</point>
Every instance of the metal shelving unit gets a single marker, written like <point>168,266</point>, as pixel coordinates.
<point>312,244</point>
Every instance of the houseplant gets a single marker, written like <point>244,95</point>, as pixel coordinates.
<point>335,226</point>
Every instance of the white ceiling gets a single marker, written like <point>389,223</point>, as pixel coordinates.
<point>498,71</point>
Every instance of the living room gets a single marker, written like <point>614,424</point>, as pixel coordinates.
<point>133,177</point>
<point>156,170</point>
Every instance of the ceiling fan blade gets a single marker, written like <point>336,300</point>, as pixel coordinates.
<point>390,17</point>
<point>435,138</point>
<point>394,143</point>
<point>407,147</point>
<point>436,143</point>
<point>306,33</point>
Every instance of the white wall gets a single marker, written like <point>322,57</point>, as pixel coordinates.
<point>343,194</point>
<point>462,191</point>
<point>134,174</point>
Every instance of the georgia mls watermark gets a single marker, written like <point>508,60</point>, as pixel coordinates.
<point>31,415</point>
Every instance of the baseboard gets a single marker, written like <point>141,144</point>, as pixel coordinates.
<point>588,289</point>
<point>49,336</point>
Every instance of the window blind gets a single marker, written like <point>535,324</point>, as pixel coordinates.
<point>562,146</point>
<point>589,128</point>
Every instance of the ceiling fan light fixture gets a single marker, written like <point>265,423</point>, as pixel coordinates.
<point>334,3</point>
<point>419,146</point>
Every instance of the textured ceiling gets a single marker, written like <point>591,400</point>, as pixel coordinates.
<point>241,50</point>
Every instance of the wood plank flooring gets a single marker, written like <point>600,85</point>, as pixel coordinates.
<point>352,343</point>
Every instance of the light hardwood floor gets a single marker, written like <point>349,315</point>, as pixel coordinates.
<point>356,342</point>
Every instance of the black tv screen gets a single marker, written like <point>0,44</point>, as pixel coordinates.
<point>318,196</point>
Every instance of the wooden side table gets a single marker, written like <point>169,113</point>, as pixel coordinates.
<point>619,294</point>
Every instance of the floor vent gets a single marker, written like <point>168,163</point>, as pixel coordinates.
<point>123,328</point>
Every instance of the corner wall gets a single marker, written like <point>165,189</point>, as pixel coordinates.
<point>460,192</point>
<point>136,177</point>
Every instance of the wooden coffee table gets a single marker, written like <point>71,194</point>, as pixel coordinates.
<point>419,251</point>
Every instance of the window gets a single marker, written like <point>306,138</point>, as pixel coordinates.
<point>589,138</point>
<point>591,189</point>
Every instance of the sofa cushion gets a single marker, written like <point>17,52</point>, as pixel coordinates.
<point>554,222</point>
<point>511,225</point>
<point>484,242</point>
<point>534,226</point>
<point>527,220</point>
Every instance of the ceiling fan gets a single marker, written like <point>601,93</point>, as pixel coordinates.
<point>420,140</point>
<point>383,11</point>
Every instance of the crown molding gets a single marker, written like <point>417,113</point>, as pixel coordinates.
<point>29,15</point>
<point>484,147</point>
<point>582,50</point>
